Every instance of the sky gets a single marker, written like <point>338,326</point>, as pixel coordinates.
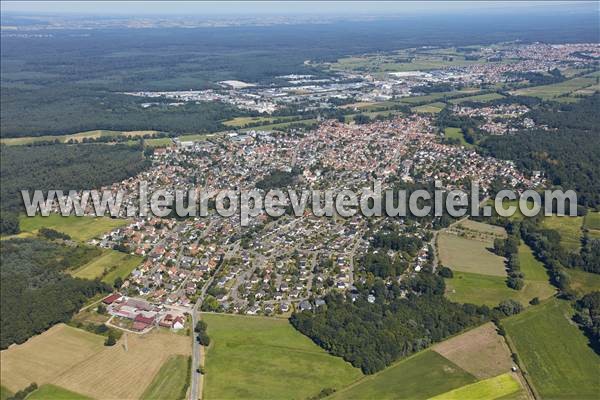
<point>136,8</point>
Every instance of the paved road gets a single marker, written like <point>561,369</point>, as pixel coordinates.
<point>196,382</point>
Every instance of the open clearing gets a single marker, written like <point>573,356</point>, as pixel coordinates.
<point>532,268</point>
<point>420,376</point>
<point>466,248</point>
<point>52,392</point>
<point>240,122</point>
<point>547,92</point>
<point>75,137</point>
<point>583,282</point>
<point>482,98</point>
<point>456,133</point>
<point>81,229</point>
<point>432,108</point>
<point>592,224</point>
<point>256,357</point>
<point>78,361</point>
<point>170,381</point>
<point>43,358</point>
<point>554,352</point>
<point>110,265</point>
<point>490,290</point>
<point>480,351</point>
<point>489,389</point>
<point>569,229</point>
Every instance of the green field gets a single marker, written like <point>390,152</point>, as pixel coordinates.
<point>266,358</point>
<point>554,352</point>
<point>432,108</point>
<point>158,142</point>
<point>532,268</point>
<point>284,125</point>
<point>592,224</point>
<point>583,282</point>
<point>81,229</point>
<point>489,290</point>
<point>75,136</point>
<point>492,388</point>
<point>239,122</point>
<point>547,92</point>
<point>116,264</point>
<point>52,392</point>
<point>456,133</point>
<point>569,229</point>
<point>482,98</point>
<point>171,381</point>
<point>469,255</point>
<point>421,376</point>
<point>5,393</point>
<point>390,63</point>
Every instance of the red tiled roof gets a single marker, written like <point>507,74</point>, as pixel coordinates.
<point>144,320</point>
<point>111,299</point>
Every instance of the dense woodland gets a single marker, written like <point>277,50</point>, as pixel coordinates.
<point>63,167</point>
<point>568,154</point>
<point>36,294</point>
<point>373,335</point>
<point>588,317</point>
<point>72,80</point>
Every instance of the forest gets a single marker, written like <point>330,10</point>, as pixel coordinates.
<point>36,294</point>
<point>61,166</point>
<point>568,154</point>
<point>72,80</point>
<point>373,335</point>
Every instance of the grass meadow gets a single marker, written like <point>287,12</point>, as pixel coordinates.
<point>548,92</point>
<point>52,392</point>
<point>490,290</point>
<point>110,265</point>
<point>431,108</point>
<point>482,98</point>
<point>420,376</point>
<point>489,389</point>
<point>171,380</point>
<point>266,358</point>
<point>591,222</point>
<point>583,282</point>
<point>78,137</point>
<point>554,352</point>
<point>80,229</point>
<point>532,268</point>
<point>569,229</point>
<point>469,255</point>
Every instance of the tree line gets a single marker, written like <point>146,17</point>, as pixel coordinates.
<point>36,293</point>
<point>60,166</point>
<point>403,319</point>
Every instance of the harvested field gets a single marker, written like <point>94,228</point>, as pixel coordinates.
<point>43,358</point>
<point>480,351</point>
<point>118,374</point>
<point>79,362</point>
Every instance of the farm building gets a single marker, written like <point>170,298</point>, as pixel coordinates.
<point>140,322</point>
<point>115,297</point>
<point>173,322</point>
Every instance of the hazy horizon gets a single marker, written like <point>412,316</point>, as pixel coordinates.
<point>279,8</point>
